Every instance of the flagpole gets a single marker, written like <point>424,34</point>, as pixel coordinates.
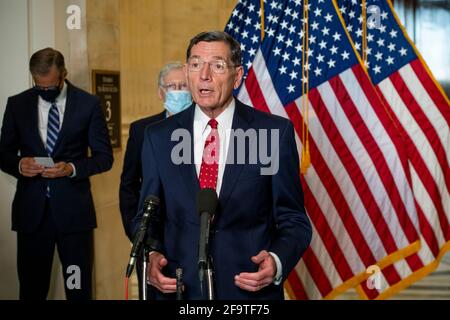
<point>364,35</point>
<point>262,20</point>
<point>306,158</point>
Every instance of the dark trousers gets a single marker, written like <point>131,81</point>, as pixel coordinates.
<point>35,257</point>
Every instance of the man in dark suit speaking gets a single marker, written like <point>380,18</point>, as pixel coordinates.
<point>260,229</point>
<point>46,134</point>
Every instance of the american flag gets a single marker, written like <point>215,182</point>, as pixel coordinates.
<point>358,191</point>
<point>421,112</point>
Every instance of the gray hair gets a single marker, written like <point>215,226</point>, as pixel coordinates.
<point>218,36</point>
<point>175,65</point>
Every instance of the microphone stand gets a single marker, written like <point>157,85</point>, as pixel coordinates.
<point>144,273</point>
<point>209,278</point>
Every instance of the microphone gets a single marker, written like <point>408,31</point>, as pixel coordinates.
<point>206,205</point>
<point>151,204</point>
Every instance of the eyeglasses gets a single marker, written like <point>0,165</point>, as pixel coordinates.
<point>217,66</point>
<point>50,88</point>
<point>175,86</point>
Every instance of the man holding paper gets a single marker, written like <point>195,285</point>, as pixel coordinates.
<point>46,134</point>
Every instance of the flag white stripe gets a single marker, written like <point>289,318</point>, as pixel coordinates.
<point>321,253</point>
<point>389,152</point>
<point>266,85</point>
<point>334,221</point>
<point>244,97</point>
<point>417,136</point>
<point>428,107</point>
<point>346,184</point>
<point>427,205</point>
<point>365,162</point>
<point>309,285</point>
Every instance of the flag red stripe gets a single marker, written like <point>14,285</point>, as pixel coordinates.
<point>297,286</point>
<point>377,157</point>
<point>326,234</point>
<point>351,165</point>
<point>335,193</point>
<point>427,233</point>
<point>255,93</point>
<point>425,176</point>
<point>384,115</point>
<point>433,91</point>
<point>414,262</point>
<point>423,122</point>
<point>391,274</point>
<point>317,273</point>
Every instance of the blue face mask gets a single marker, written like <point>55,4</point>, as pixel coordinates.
<point>177,101</point>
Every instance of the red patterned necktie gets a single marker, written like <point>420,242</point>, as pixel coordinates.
<point>209,170</point>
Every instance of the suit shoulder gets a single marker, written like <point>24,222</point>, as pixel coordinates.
<point>142,123</point>
<point>18,98</point>
<point>82,93</point>
<point>169,123</point>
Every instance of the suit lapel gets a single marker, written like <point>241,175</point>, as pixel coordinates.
<point>34,122</point>
<point>232,170</point>
<point>68,116</point>
<point>188,171</point>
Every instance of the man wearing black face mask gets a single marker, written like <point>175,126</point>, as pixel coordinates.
<point>53,204</point>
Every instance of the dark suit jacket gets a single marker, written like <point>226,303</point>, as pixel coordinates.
<point>131,178</point>
<point>83,128</point>
<point>255,211</point>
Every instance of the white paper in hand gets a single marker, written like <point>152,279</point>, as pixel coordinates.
<point>45,161</point>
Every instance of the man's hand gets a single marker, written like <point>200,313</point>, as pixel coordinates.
<point>61,169</point>
<point>155,277</point>
<point>254,281</point>
<point>29,167</point>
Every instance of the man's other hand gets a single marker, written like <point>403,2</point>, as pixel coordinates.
<point>61,169</point>
<point>29,167</point>
<point>255,281</point>
<point>155,277</point>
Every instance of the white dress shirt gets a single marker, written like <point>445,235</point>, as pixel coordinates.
<point>201,132</point>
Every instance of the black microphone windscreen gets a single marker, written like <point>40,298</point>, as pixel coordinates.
<point>207,201</point>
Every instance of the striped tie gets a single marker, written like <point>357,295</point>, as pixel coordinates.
<point>52,128</point>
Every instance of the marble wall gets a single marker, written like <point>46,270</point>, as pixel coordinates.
<point>153,33</point>
<point>135,37</point>
<point>111,246</point>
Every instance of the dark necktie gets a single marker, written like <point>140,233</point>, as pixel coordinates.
<point>52,128</point>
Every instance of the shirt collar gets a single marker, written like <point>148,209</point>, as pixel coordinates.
<point>224,119</point>
<point>62,96</point>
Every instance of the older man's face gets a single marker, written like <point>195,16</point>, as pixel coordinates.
<point>175,79</point>
<point>211,85</point>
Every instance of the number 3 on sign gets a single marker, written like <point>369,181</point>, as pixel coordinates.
<point>108,110</point>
